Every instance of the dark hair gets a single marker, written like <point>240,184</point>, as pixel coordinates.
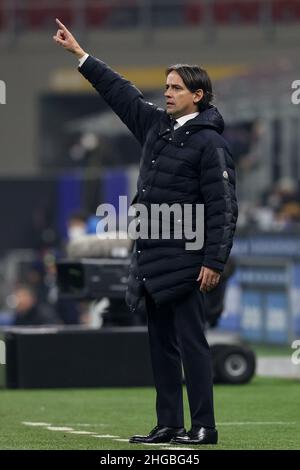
<point>194,78</point>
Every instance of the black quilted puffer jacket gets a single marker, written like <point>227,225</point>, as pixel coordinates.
<point>192,165</point>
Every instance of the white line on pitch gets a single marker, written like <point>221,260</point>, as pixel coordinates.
<point>105,436</point>
<point>82,432</point>
<point>30,423</point>
<point>86,424</point>
<point>59,428</point>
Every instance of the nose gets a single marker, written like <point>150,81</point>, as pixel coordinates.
<point>167,93</point>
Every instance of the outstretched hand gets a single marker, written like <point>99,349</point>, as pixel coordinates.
<point>66,39</point>
<point>208,279</point>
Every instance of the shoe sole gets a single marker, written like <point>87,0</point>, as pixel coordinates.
<point>195,443</point>
<point>140,441</point>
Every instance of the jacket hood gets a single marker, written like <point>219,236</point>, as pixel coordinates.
<point>210,118</point>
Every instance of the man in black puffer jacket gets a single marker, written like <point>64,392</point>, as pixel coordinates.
<point>186,161</point>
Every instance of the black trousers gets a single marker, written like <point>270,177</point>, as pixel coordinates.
<point>176,337</point>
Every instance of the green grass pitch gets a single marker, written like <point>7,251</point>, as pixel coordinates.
<point>262,415</point>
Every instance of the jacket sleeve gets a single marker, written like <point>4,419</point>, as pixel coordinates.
<point>217,185</point>
<point>122,96</point>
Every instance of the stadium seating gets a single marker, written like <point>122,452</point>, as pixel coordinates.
<point>38,15</point>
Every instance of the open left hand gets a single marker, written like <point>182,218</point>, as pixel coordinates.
<point>208,279</point>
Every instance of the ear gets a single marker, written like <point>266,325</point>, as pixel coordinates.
<point>198,95</point>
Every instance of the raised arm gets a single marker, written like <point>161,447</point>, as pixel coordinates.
<point>121,95</point>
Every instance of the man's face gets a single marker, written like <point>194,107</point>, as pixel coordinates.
<point>179,99</point>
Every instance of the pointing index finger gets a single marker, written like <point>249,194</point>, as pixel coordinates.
<point>61,25</point>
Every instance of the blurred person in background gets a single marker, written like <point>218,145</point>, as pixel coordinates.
<point>77,225</point>
<point>285,200</point>
<point>173,141</point>
<point>28,311</point>
<point>279,208</point>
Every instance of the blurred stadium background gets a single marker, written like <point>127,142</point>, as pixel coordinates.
<point>63,152</point>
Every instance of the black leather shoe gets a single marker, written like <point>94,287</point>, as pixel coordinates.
<point>158,434</point>
<point>197,435</point>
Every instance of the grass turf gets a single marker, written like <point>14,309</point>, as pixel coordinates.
<point>273,403</point>
<point>269,350</point>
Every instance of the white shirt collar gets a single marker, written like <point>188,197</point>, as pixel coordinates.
<point>183,119</point>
